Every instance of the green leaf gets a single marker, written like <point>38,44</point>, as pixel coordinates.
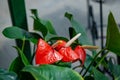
<point>49,36</point>
<point>63,64</point>
<point>45,23</point>
<point>27,76</point>
<point>115,70</point>
<point>49,26</point>
<point>51,72</point>
<point>89,78</point>
<point>16,65</point>
<point>83,39</point>
<point>5,75</point>
<point>113,35</point>
<point>72,33</point>
<point>98,75</point>
<point>18,33</point>
<point>23,57</point>
<point>58,38</point>
<point>103,63</point>
<point>34,37</point>
<point>44,26</point>
<point>88,60</point>
<point>38,26</point>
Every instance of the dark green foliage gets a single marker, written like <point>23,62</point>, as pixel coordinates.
<point>113,35</point>
<point>51,72</point>
<point>5,75</point>
<point>59,70</point>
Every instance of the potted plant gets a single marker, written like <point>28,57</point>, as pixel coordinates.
<point>53,58</point>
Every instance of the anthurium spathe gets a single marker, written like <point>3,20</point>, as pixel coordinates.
<point>81,53</point>
<point>68,54</point>
<point>61,50</point>
<point>59,44</point>
<point>45,54</point>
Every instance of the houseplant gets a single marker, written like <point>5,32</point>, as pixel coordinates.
<point>23,69</point>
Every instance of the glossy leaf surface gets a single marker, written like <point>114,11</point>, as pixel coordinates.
<point>18,33</point>
<point>51,72</point>
<point>83,39</point>
<point>5,75</point>
<point>98,75</point>
<point>115,70</point>
<point>113,35</point>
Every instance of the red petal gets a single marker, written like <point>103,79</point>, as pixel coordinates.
<point>68,54</point>
<point>60,45</point>
<point>81,53</point>
<point>45,54</point>
<point>52,57</point>
<point>42,45</point>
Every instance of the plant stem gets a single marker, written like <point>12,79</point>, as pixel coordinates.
<point>33,55</point>
<point>23,44</point>
<point>76,67</point>
<point>102,59</point>
<point>93,61</point>
<point>82,70</point>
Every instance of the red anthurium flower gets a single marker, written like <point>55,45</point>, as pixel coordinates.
<point>45,54</point>
<point>67,52</point>
<point>81,53</point>
<point>60,44</point>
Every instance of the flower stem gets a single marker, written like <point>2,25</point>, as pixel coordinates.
<point>23,44</point>
<point>102,59</point>
<point>82,70</point>
<point>93,61</point>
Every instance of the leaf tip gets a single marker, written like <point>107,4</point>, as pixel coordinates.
<point>68,15</point>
